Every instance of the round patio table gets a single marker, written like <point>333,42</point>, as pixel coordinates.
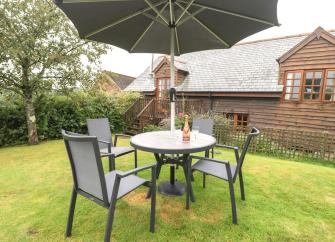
<point>169,148</point>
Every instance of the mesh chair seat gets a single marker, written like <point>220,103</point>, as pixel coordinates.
<point>101,129</point>
<point>117,151</point>
<point>127,184</point>
<point>213,169</point>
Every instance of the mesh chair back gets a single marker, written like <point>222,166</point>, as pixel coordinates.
<point>87,171</point>
<point>101,129</point>
<point>205,125</point>
<point>253,133</point>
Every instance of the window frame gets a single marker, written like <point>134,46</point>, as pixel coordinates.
<point>323,85</point>
<point>163,87</point>
<point>233,119</point>
<point>285,85</point>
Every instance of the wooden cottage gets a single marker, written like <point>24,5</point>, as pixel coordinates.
<point>112,82</point>
<point>286,82</point>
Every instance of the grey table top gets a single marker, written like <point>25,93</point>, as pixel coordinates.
<point>163,142</point>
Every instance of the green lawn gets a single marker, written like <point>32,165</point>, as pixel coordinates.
<point>286,201</point>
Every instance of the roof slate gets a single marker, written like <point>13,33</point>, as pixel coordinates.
<point>122,81</point>
<point>248,67</point>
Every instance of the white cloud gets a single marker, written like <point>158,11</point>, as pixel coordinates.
<point>296,16</point>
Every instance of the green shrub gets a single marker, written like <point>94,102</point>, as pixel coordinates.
<point>54,113</point>
<point>13,127</point>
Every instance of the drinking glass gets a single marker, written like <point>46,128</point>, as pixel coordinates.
<point>195,131</point>
<point>179,135</point>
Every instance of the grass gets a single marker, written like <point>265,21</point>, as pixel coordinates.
<point>286,201</point>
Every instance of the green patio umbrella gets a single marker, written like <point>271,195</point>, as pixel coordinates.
<point>169,26</point>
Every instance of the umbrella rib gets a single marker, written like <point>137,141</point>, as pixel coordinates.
<point>177,40</point>
<point>171,12</point>
<point>157,20</point>
<point>147,29</point>
<point>173,20</point>
<point>122,20</point>
<point>190,16</point>
<point>232,13</point>
<point>206,27</point>
<point>184,12</point>
<point>153,7</point>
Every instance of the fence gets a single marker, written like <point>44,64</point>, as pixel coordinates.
<point>282,142</point>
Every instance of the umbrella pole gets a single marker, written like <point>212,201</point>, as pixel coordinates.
<point>172,81</point>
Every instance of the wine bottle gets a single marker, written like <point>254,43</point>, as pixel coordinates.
<point>186,130</point>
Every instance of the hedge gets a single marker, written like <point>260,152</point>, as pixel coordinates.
<point>54,113</point>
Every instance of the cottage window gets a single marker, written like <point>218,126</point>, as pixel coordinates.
<point>163,88</point>
<point>238,120</point>
<point>330,86</point>
<point>310,85</point>
<point>293,85</point>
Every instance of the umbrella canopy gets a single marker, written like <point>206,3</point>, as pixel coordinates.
<point>169,26</point>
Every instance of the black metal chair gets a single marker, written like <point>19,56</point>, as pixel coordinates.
<point>104,189</point>
<point>206,126</point>
<point>222,169</point>
<point>101,129</point>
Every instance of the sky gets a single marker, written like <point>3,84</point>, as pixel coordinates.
<point>295,17</point>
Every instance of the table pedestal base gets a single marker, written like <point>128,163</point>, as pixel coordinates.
<point>168,189</point>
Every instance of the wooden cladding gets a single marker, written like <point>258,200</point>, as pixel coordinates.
<point>316,52</point>
<point>162,78</point>
<point>266,112</point>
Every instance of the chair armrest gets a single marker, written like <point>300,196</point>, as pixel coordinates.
<point>109,148</point>
<point>136,170</point>
<point>104,142</point>
<point>120,135</point>
<point>225,162</point>
<point>227,147</point>
<point>235,148</point>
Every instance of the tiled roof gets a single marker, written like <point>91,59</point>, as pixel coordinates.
<point>121,80</point>
<point>248,67</point>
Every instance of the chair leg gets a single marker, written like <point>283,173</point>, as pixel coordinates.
<point>111,209</point>
<point>241,185</point>
<point>153,200</point>
<point>71,213</point>
<point>111,160</point>
<point>148,193</point>
<point>203,180</point>
<point>110,220</point>
<point>189,193</point>
<point>232,200</point>
<point>135,154</point>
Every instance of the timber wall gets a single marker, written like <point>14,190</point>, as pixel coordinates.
<point>273,113</point>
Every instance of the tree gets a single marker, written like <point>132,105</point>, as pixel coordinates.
<point>40,51</point>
